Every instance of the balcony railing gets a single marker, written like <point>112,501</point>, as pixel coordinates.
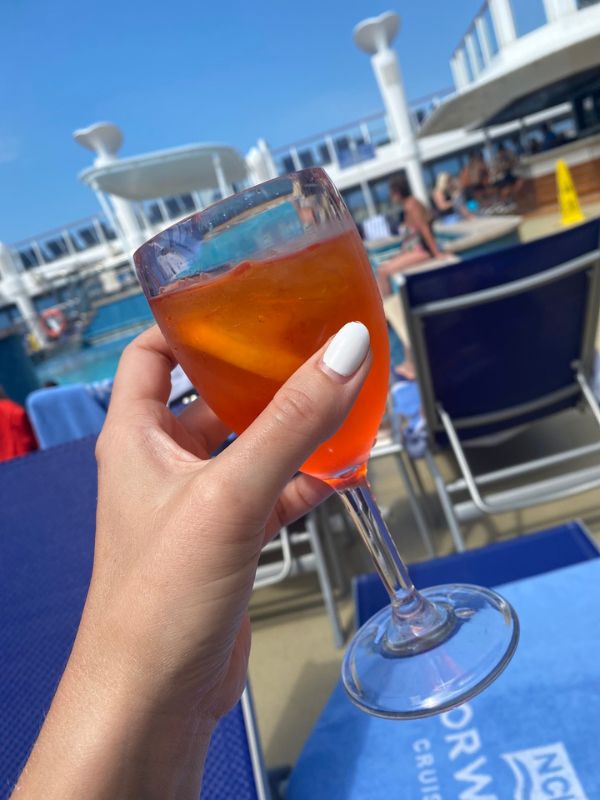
<point>98,232</point>
<point>351,143</point>
<point>54,245</point>
<point>496,25</point>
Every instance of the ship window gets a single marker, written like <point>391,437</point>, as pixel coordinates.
<point>28,258</point>
<point>108,231</point>
<point>173,207</point>
<point>355,200</point>
<point>288,164</point>
<point>55,248</point>
<point>187,201</point>
<point>324,155</point>
<point>153,214</point>
<point>306,158</point>
<point>89,236</point>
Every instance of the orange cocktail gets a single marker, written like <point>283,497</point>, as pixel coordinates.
<point>240,335</point>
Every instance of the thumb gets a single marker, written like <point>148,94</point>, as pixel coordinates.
<point>306,411</point>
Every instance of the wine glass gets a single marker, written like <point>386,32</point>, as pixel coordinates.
<point>244,292</point>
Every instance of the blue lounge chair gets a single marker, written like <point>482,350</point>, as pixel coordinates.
<point>492,565</point>
<point>47,523</point>
<point>501,341</point>
<point>63,413</point>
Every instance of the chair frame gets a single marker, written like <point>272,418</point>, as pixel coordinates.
<point>406,467</point>
<point>438,420</point>
<point>288,564</point>
<point>256,755</point>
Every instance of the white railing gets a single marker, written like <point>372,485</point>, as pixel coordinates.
<point>81,239</point>
<point>490,29</point>
<point>53,246</point>
<point>350,143</point>
<point>497,24</point>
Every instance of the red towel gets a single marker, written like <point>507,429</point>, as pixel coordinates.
<point>16,435</point>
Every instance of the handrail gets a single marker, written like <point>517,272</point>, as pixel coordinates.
<point>284,148</point>
<point>52,232</point>
<point>322,135</point>
<point>471,29</point>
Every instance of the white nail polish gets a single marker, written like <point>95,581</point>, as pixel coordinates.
<point>347,349</point>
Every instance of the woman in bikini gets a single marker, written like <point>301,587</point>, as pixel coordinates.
<point>419,247</point>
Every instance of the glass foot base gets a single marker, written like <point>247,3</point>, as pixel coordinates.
<point>479,636</point>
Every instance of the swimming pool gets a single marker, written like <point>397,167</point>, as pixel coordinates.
<point>88,364</point>
<point>114,325</point>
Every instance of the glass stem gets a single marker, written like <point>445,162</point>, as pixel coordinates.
<point>363,509</point>
<point>418,623</point>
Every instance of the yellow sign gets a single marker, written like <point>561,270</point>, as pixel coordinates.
<point>570,210</point>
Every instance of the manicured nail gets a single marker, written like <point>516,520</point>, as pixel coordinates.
<point>347,349</point>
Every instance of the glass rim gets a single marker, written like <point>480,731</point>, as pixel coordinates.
<point>223,201</point>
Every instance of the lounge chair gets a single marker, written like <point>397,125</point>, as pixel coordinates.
<point>46,548</point>
<point>300,549</point>
<point>64,413</point>
<point>499,342</point>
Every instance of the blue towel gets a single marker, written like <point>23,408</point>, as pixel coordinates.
<point>65,413</point>
<point>532,735</point>
<point>408,421</point>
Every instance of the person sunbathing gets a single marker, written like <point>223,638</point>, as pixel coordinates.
<point>419,247</point>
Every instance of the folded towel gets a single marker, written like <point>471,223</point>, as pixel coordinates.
<point>530,736</point>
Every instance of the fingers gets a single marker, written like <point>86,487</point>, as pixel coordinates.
<point>305,412</point>
<point>300,496</point>
<point>204,426</point>
<point>144,376</point>
<point>144,372</point>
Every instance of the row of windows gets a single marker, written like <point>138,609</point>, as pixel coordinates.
<point>346,151</point>
<point>48,250</point>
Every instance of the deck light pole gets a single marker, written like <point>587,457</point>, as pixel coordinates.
<point>375,36</point>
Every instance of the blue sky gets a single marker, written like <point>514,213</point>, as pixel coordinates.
<point>186,71</point>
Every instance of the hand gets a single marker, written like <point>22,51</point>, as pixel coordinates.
<point>163,645</point>
<point>179,535</point>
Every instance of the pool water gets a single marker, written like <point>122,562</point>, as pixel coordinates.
<point>95,363</point>
<point>113,326</point>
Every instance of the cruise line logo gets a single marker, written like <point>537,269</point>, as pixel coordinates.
<point>544,773</point>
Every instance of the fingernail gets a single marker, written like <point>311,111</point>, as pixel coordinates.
<point>347,349</point>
